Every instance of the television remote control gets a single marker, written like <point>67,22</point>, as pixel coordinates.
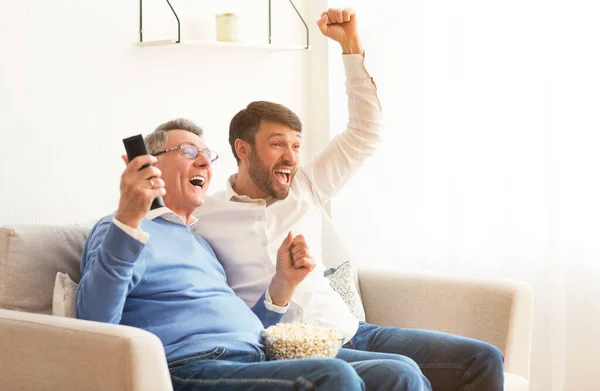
<point>135,147</point>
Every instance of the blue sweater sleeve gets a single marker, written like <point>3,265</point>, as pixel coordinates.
<point>107,272</point>
<point>266,316</point>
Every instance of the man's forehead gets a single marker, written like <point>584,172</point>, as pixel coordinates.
<point>289,134</point>
<point>177,137</point>
<point>271,129</point>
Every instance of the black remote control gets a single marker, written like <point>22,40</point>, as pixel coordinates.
<point>135,147</point>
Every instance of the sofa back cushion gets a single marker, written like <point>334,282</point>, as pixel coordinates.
<point>30,257</point>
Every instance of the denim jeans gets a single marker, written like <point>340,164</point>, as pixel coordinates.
<point>451,363</point>
<point>226,370</point>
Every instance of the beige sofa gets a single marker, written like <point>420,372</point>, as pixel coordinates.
<point>39,351</point>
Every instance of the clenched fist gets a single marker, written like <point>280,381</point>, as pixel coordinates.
<point>294,262</point>
<point>341,26</point>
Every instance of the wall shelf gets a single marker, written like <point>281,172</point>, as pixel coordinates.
<point>266,46</point>
<point>225,45</point>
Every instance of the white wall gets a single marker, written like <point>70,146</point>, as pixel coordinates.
<point>73,84</point>
<point>489,165</point>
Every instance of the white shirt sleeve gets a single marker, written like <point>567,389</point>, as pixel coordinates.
<point>345,154</point>
<point>135,233</point>
<point>272,307</point>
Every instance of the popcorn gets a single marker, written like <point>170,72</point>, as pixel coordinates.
<point>285,341</point>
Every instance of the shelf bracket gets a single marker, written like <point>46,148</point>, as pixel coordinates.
<point>169,41</point>
<point>161,42</point>
<point>301,19</point>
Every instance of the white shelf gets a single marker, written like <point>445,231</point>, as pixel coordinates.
<point>225,45</point>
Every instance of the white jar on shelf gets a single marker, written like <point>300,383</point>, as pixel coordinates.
<point>227,27</point>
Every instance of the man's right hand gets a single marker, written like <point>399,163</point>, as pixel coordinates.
<point>138,189</point>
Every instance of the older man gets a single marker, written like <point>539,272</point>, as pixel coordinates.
<point>148,269</point>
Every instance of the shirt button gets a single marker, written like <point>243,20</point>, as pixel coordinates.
<point>264,243</point>
<point>271,270</point>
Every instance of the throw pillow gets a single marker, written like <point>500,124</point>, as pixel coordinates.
<point>64,296</point>
<point>341,280</point>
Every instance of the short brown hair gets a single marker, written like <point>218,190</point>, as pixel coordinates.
<point>157,140</point>
<point>245,123</point>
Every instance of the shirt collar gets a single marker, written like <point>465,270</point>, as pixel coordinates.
<point>169,215</point>
<point>231,194</point>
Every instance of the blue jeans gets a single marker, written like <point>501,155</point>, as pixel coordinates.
<point>449,362</point>
<point>224,370</point>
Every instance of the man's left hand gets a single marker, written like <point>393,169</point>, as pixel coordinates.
<point>340,24</point>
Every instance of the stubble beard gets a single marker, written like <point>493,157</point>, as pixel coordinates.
<point>261,176</point>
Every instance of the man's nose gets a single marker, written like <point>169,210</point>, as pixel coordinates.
<point>202,160</point>
<point>290,155</point>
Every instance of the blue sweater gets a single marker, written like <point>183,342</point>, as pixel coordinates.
<point>172,286</point>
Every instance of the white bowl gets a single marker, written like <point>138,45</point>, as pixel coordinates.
<point>289,348</point>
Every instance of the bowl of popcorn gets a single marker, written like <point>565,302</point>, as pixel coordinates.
<point>288,341</point>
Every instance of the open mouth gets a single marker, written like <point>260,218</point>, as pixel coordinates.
<point>197,181</point>
<point>283,175</point>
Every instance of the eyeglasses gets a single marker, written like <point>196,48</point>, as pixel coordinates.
<point>191,152</point>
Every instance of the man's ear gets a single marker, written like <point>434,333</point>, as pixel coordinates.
<point>242,149</point>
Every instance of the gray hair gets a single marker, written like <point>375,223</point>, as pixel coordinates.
<point>157,140</point>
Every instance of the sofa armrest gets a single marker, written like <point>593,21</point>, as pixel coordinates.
<point>491,310</point>
<point>43,352</point>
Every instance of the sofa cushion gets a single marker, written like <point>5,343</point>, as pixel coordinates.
<point>30,257</point>
<point>341,280</point>
<point>64,298</point>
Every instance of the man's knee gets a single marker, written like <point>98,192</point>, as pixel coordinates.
<point>399,375</point>
<point>327,374</point>
<point>342,372</point>
<point>487,355</point>
<point>407,361</point>
<point>489,352</point>
<point>496,354</point>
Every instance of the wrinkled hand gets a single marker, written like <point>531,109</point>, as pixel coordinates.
<point>138,189</point>
<point>340,24</point>
<point>294,262</point>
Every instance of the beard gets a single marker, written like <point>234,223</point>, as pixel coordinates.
<point>262,178</point>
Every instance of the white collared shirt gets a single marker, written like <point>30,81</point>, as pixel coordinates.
<point>246,233</point>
